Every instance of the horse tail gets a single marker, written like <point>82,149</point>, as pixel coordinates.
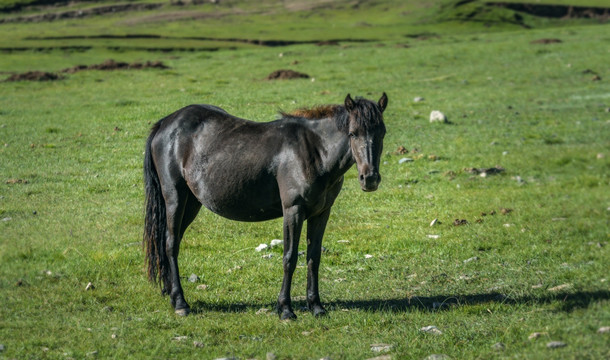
<point>155,221</point>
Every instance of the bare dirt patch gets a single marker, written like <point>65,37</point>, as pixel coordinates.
<point>116,65</point>
<point>34,76</point>
<point>557,11</point>
<point>72,14</point>
<point>286,74</point>
<point>108,65</point>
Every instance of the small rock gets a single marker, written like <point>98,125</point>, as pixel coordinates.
<point>180,338</point>
<point>499,346</point>
<point>560,287</point>
<point>202,287</point>
<point>276,242</point>
<point>418,99</point>
<point>343,241</point>
<point>437,116</point>
<point>193,278</point>
<point>505,211</point>
<point>433,236</point>
<point>89,286</point>
<point>556,345</point>
<point>434,222</point>
<point>474,258</point>
<point>381,347</point>
<point>271,356</point>
<point>368,256</point>
<point>267,256</point>
<point>600,156</point>
<point>518,179</point>
<point>114,336</point>
<point>306,333</point>
<point>7,219</point>
<point>404,160</point>
<point>536,335</point>
<point>437,357</point>
<point>431,330</point>
<point>603,330</point>
<point>261,247</point>
<point>198,344</point>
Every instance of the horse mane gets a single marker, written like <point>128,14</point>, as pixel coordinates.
<point>367,114</point>
<point>316,112</point>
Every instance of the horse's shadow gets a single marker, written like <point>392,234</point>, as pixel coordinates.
<point>567,302</point>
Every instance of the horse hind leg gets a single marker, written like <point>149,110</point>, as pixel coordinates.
<point>180,213</point>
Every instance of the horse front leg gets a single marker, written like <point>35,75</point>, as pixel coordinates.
<point>315,231</point>
<point>293,223</point>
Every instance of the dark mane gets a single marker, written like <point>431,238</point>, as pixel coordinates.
<point>365,112</point>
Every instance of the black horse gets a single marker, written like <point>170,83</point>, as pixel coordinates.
<point>250,171</point>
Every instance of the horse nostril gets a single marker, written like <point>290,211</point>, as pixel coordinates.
<point>361,177</point>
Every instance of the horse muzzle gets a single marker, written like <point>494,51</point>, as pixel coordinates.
<point>369,182</point>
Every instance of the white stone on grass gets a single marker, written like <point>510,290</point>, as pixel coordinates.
<point>556,344</point>
<point>474,258</point>
<point>437,116</point>
<point>381,347</point>
<point>261,247</point>
<point>276,242</point>
<point>431,330</point>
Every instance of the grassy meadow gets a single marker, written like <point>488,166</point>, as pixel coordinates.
<point>532,257</point>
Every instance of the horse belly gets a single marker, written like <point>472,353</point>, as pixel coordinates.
<point>257,201</point>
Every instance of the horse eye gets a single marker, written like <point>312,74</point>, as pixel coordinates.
<point>352,135</point>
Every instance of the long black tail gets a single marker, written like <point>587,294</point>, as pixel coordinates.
<point>155,221</point>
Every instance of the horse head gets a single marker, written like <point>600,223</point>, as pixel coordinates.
<point>366,132</point>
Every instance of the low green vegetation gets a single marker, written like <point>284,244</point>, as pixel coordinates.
<point>531,257</point>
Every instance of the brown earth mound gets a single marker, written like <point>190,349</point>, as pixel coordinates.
<point>34,76</point>
<point>107,65</point>
<point>286,74</point>
<point>114,65</point>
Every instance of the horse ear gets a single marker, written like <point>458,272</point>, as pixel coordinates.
<point>349,103</point>
<point>383,102</point>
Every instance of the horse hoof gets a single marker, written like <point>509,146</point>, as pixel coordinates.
<point>183,312</point>
<point>319,312</point>
<point>287,315</point>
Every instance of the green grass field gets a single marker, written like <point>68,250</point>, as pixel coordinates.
<point>71,196</point>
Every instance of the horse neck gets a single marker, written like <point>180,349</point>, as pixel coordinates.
<point>337,158</point>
